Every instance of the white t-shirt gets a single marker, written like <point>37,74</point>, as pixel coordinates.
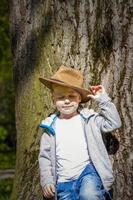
<point>71,148</point>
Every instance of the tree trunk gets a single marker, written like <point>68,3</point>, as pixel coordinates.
<point>93,36</point>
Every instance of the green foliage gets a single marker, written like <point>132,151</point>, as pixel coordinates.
<point>7,160</point>
<point>5,50</point>
<point>5,189</point>
<point>7,110</point>
<point>3,135</point>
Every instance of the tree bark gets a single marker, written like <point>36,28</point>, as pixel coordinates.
<point>92,36</point>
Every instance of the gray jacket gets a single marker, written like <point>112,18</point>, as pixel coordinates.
<point>94,124</point>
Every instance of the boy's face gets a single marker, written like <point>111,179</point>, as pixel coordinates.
<point>66,100</point>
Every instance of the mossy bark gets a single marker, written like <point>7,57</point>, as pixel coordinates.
<point>93,36</point>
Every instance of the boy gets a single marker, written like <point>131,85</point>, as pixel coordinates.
<point>73,160</point>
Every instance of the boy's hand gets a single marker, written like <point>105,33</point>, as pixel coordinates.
<point>96,91</point>
<point>49,190</point>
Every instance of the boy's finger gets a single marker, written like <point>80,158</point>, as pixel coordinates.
<point>47,192</point>
<point>50,192</point>
<point>91,96</point>
<point>52,188</point>
<point>96,88</point>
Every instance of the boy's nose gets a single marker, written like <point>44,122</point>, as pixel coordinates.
<point>67,101</point>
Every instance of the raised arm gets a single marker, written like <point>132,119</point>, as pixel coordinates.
<point>108,119</point>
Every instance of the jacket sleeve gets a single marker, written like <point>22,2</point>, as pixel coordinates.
<point>108,119</point>
<point>44,158</point>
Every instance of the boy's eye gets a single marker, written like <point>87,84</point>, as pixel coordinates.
<point>61,97</point>
<point>72,96</point>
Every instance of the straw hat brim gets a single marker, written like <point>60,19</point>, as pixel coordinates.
<point>83,92</point>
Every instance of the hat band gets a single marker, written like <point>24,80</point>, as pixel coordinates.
<point>54,79</point>
<point>59,81</point>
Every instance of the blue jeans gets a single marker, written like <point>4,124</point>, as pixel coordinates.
<point>87,187</point>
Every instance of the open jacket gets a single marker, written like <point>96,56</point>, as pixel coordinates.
<point>93,124</point>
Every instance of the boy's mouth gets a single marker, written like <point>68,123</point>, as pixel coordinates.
<point>67,107</point>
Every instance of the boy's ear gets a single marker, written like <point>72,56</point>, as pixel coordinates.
<point>80,98</point>
<point>53,98</point>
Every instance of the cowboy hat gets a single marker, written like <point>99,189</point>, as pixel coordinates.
<point>68,77</point>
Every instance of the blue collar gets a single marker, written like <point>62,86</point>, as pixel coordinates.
<point>48,123</point>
